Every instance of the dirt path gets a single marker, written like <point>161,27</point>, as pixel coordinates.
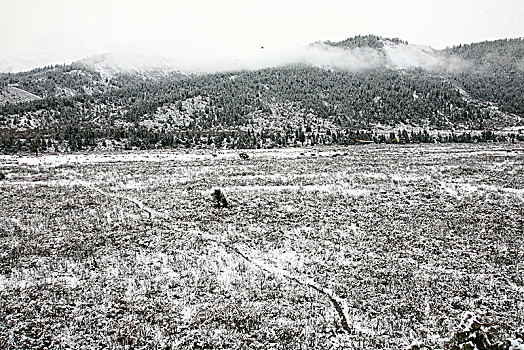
<point>338,303</point>
<point>152,213</point>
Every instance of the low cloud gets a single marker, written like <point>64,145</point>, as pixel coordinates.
<point>398,56</point>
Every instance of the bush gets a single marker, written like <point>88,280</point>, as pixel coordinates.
<point>2,176</point>
<point>476,335</point>
<point>417,345</point>
<point>219,199</point>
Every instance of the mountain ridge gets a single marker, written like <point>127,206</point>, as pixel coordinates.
<point>26,62</point>
<point>375,87</point>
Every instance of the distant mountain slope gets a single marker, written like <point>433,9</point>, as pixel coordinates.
<point>496,73</point>
<point>363,83</point>
<point>149,67</point>
<point>57,81</point>
<point>90,76</point>
<point>23,63</point>
<point>14,95</point>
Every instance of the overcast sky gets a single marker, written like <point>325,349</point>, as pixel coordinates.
<point>77,28</point>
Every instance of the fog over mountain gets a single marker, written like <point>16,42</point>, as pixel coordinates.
<point>391,54</point>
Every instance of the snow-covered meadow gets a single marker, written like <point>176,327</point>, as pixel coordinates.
<point>372,246</point>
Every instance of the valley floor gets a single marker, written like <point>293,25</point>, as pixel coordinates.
<point>366,247</point>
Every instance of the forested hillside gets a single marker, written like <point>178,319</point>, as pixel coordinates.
<point>76,106</point>
<point>496,73</point>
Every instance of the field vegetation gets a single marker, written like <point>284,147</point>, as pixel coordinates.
<point>366,247</point>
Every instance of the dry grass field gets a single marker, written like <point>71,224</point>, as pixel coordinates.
<point>370,247</point>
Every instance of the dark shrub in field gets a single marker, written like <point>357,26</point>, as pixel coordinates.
<point>2,176</point>
<point>219,199</point>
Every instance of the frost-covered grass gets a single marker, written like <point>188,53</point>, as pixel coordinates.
<point>406,238</point>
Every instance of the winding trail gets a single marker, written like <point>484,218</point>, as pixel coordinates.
<point>338,303</point>
<point>152,213</point>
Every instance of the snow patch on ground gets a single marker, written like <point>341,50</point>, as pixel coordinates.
<point>516,344</point>
<point>459,190</point>
<point>15,221</point>
<point>3,282</point>
<point>409,178</point>
<point>70,281</point>
<point>282,177</point>
<point>376,176</point>
<point>162,156</point>
<point>57,160</point>
<point>187,313</point>
<point>450,190</point>
<point>355,192</point>
<point>50,183</point>
<point>286,258</point>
